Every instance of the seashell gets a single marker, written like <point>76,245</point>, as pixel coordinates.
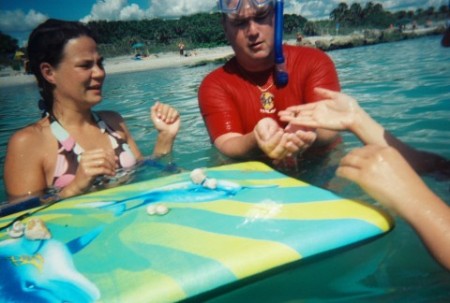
<point>36,230</point>
<point>17,230</point>
<point>157,209</point>
<point>161,209</point>
<point>198,176</point>
<point>210,183</point>
<point>151,209</point>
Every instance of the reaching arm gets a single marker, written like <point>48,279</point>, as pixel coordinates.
<point>385,175</point>
<point>339,112</point>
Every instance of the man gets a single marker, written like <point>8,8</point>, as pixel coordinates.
<point>240,101</point>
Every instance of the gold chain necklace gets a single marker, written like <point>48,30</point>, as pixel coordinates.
<point>263,90</point>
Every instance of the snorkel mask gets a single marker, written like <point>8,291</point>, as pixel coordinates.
<point>234,6</point>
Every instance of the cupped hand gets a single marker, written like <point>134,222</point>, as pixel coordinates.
<point>278,143</point>
<point>336,111</point>
<point>271,138</point>
<point>165,118</point>
<point>300,139</point>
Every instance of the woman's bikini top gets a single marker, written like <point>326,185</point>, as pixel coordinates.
<point>69,151</point>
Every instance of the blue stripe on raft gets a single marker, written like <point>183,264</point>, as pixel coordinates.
<point>286,195</point>
<point>244,175</point>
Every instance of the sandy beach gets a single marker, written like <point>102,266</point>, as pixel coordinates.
<point>127,64</point>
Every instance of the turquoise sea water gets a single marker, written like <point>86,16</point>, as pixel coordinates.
<point>404,85</point>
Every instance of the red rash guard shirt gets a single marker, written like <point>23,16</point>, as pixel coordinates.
<point>229,98</point>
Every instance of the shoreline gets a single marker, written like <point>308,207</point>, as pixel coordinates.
<point>129,64</point>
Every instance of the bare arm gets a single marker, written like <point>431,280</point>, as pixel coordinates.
<point>336,112</point>
<point>385,175</point>
<point>23,171</point>
<point>235,145</point>
<point>339,112</point>
<point>25,166</point>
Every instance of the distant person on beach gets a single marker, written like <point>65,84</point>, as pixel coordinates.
<point>181,48</point>
<point>240,101</point>
<point>385,168</point>
<point>74,149</point>
<point>299,38</point>
<point>445,41</point>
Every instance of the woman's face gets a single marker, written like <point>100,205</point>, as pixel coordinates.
<point>79,77</point>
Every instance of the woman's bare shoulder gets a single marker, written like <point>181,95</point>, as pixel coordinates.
<point>32,136</point>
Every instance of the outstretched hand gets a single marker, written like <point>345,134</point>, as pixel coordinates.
<point>337,111</point>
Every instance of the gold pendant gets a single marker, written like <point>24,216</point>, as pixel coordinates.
<point>267,103</point>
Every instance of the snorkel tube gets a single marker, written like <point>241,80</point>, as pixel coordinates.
<point>281,75</point>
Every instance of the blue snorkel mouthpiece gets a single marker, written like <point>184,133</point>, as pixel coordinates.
<point>281,75</point>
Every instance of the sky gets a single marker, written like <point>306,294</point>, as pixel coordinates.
<point>19,17</point>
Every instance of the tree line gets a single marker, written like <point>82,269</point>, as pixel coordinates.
<point>373,15</point>
<point>205,29</point>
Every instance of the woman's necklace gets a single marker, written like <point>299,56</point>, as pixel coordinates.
<point>266,98</point>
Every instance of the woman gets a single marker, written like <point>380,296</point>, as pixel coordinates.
<point>72,147</point>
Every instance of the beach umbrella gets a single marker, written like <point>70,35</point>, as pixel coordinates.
<point>138,45</point>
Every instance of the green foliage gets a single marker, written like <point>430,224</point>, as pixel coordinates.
<point>199,30</point>
<point>293,23</point>
<point>310,29</point>
<point>374,16</point>
<point>7,44</point>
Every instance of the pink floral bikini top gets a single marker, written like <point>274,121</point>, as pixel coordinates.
<point>69,151</point>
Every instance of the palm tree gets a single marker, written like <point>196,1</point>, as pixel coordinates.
<point>355,14</point>
<point>339,13</point>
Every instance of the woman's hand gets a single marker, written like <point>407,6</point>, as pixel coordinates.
<point>92,163</point>
<point>167,121</point>
<point>165,118</point>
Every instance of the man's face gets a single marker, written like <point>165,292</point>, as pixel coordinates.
<point>251,34</point>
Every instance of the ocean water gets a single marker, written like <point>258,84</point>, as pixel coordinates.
<point>404,85</point>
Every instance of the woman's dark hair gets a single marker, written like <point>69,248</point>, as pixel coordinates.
<point>46,44</point>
